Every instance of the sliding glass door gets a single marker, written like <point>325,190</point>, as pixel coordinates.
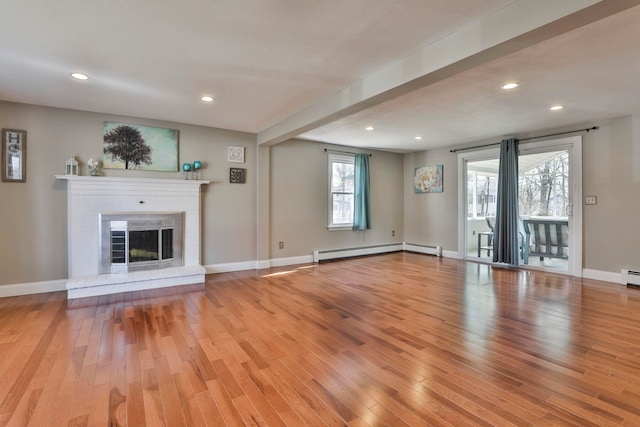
<point>549,175</point>
<point>544,208</point>
<point>481,190</point>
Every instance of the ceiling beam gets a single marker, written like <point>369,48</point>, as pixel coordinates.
<point>518,25</point>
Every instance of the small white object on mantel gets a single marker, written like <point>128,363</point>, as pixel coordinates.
<point>71,166</point>
<point>88,196</point>
<point>93,167</point>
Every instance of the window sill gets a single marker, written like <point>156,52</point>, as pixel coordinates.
<point>340,227</point>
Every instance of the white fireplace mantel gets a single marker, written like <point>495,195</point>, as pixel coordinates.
<point>88,196</point>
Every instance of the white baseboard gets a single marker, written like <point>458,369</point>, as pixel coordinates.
<point>604,276</point>
<point>32,288</point>
<point>257,265</point>
<point>452,254</point>
<point>304,259</point>
<point>233,266</point>
<point>263,263</point>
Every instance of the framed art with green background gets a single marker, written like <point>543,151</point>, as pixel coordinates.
<point>139,147</point>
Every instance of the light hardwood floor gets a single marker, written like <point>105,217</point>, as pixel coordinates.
<point>400,339</point>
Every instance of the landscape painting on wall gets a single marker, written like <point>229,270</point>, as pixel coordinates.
<point>139,147</point>
<point>428,179</point>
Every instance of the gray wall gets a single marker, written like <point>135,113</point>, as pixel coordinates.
<point>431,218</point>
<point>611,171</point>
<point>299,200</point>
<point>291,204</point>
<point>33,214</point>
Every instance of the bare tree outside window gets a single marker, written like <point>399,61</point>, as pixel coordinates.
<point>543,185</point>
<point>544,189</point>
<point>483,188</point>
<point>342,184</point>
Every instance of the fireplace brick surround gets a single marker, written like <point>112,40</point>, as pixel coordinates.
<point>89,196</point>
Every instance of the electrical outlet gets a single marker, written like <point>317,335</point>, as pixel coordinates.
<point>393,233</point>
<point>590,200</point>
<point>281,245</point>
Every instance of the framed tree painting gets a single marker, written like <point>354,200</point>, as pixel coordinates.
<point>127,146</point>
<point>14,155</point>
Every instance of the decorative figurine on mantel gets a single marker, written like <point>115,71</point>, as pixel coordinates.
<point>197,165</point>
<point>93,167</point>
<point>186,167</point>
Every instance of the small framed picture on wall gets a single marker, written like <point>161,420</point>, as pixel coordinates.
<point>235,154</point>
<point>14,155</point>
<point>237,175</point>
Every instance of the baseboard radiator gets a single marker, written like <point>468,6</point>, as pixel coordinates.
<point>375,249</point>
<point>630,277</point>
<point>353,252</point>
<point>423,249</point>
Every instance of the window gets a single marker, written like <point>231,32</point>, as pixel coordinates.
<point>341,187</point>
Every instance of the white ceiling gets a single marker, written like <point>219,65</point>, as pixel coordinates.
<point>316,68</point>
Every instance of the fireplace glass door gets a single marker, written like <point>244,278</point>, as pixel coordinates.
<point>143,245</point>
<point>144,241</point>
<point>167,243</point>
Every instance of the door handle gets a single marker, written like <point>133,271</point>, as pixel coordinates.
<point>569,210</point>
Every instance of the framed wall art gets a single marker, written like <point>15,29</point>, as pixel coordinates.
<point>235,154</point>
<point>14,155</point>
<point>428,179</point>
<point>237,175</point>
<point>139,147</point>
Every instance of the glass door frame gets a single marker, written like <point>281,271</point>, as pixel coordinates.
<point>573,145</point>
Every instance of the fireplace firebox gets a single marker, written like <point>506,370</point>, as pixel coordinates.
<point>132,241</point>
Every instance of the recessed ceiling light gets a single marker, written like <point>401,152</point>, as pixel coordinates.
<point>207,98</point>
<point>510,85</point>
<point>80,76</point>
<point>557,107</point>
<point>369,128</point>
<point>418,138</point>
